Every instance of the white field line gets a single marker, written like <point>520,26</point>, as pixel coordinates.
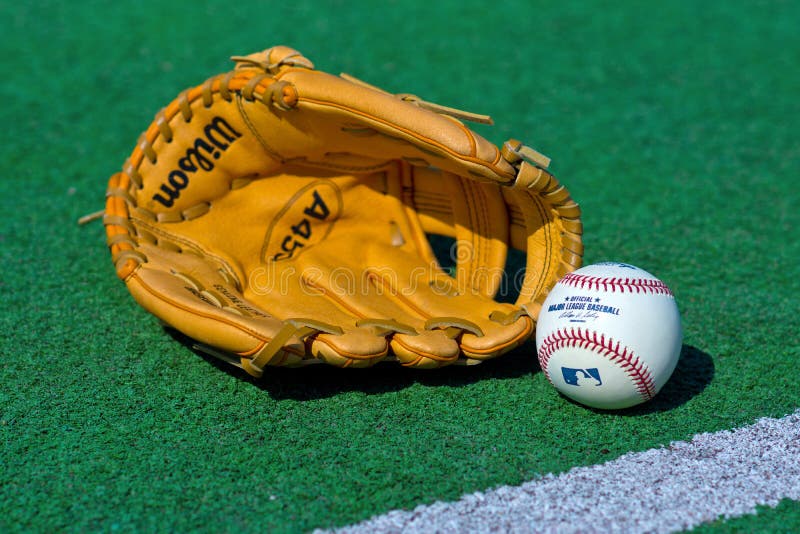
<point>720,474</point>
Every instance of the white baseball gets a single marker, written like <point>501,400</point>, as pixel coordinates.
<point>609,335</point>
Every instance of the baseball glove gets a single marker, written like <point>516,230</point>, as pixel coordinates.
<point>279,216</point>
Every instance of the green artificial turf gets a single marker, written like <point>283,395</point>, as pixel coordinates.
<point>783,519</point>
<point>673,124</point>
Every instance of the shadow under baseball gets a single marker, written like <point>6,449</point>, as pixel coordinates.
<point>693,373</point>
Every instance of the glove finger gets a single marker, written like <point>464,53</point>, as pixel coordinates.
<point>492,328</point>
<point>196,297</point>
<point>423,308</point>
<point>369,321</point>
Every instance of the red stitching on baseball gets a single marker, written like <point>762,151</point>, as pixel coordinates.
<point>618,354</point>
<point>622,285</point>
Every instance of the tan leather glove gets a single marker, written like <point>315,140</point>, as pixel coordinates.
<point>278,215</point>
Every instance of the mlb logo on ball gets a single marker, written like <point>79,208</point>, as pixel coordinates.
<point>581,377</point>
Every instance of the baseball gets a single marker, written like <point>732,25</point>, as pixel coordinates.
<point>609,335</point>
